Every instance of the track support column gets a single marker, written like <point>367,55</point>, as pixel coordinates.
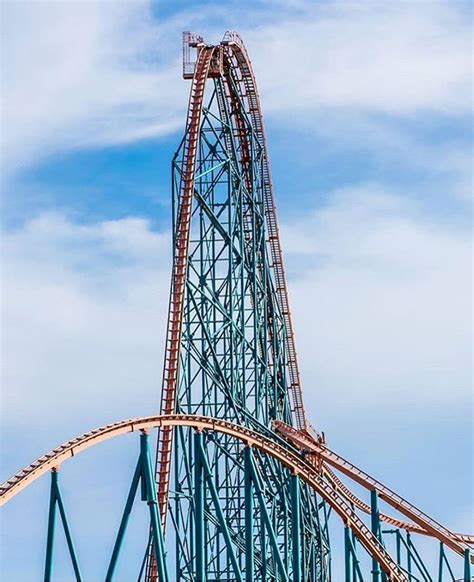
<point>467,565</point>
<point>249,511</point>
<point>377,575</point>
<point>199,531</point>
<point>296,527</point>
<point>347,554</point>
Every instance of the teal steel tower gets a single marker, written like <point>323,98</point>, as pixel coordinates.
<point>235,514</point>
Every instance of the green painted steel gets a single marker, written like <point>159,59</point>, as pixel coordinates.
<point>143,477</point>
<point>199,532</point>
<point>249,517</point>
<point>124,522</point>
<point>375,528</point>
<point>409,560</point>
<point>150,496</point>
<point>268,522</point>
<point>467,565</point>
<point>347,555</point>
<point>55,500</point>
<point>223,525</point>
<point>233,364</point>
<point>296,527</point>
<point>48,569</point>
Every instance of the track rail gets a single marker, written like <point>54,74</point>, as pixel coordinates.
<point>181,245</point>
<point>457,542</point>
<point>236,45</point>
<point>179,273</point>
<point>365,507</point>
<point>290,459</point>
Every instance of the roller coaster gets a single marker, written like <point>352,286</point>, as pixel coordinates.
<point>242,487</point>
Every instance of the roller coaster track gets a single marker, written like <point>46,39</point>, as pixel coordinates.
<point>304,441</point>
<point>178,279</point>
<point>239,51</point>
<point>202,70</point>
<point>287,457</point>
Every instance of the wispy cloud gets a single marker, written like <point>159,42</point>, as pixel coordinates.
<point>372,281</point>
<point>84,74</point>
<point>83,318</point>
<point>95,73</point>
<point>377,285</point>
<point>399,58</point>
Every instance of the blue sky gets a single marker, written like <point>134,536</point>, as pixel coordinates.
<point>367,109</point>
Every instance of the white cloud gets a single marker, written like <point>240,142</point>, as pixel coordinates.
<point>83,319</point>
<point>83,73</point>
<point>382,303</point>
<point>373,286</point>
<point>397,58</point>
<point>95,73</point>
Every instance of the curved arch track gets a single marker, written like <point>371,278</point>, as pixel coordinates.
<point>285,456</point>
<point>307,471</point>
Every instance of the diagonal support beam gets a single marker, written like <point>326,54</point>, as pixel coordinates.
<point>55,500</point>
<point>217,506</point>
<point>142,476</point>
<point>268,521</point>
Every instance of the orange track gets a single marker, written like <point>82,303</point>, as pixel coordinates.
<point>457,542</point>
<point>292,460</point>
<point>233,44</point>
<point>179,273</point>
<point>250,89</point>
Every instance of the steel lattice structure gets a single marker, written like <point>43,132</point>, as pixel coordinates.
<point>243,488</point>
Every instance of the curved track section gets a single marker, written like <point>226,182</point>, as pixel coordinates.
<point>288,458</point>
<point>431,527</point>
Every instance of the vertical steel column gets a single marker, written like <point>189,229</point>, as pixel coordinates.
<point>467,565</point>
<point>149,495</point>
<point>441,562</point>
<point>199,532</point>
<point>399,548</point>
<point>249,510</point>
<point>347,554</point>
<point>355,561</point>
<point>48,569</point>
<point>296,527</point>
<point>374,526</point>
<point>409,572</point>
